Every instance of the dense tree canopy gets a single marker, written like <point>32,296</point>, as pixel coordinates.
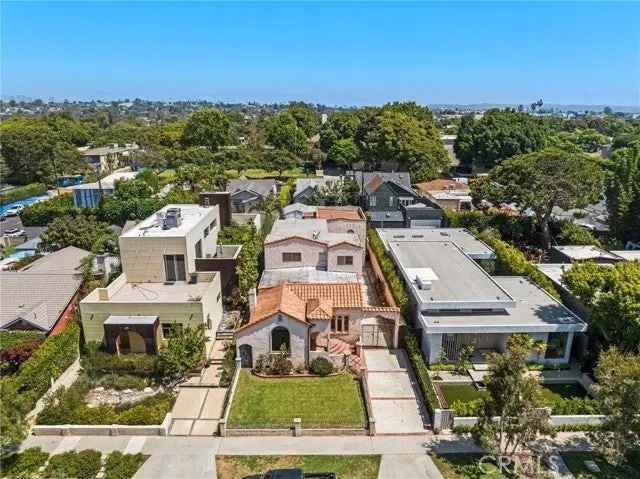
<point>208,127</point>
<point>344,152</point>
<point>283,133</point>
<point>80,231</point>
<point>498,135</point>
<point>341,125</point>
<point>545,179</point>
<point>612,295</point>
<point>623,194</point>
<point>307,119</point>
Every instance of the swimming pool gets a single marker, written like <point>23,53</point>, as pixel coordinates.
<point>25,202</point>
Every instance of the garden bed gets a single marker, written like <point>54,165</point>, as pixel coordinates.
<point>345,467</point>
<point>321,402</point>
<point>563,399</point>
<point>80,465</point>
<point>82,404</point>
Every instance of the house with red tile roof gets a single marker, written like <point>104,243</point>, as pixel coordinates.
<point>310,320</point>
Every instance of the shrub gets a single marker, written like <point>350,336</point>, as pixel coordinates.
<point>122,466</point>
<point>11,358</point>
<point>573,405</point>
<point>284,198</point>
<point>422,372</point>
<point>321,366</point>
<point>394,280</point>
<point>182,353</point>
<point>97,362</point>
<point>23,465</point>
<point>281,365</point>
<point>9,339</point>
<point>22,192</point>
<point>467,408</point>
<point>119,382</point>
<point>43,212</point>
<point>78,465</point>
<point>228,364</point>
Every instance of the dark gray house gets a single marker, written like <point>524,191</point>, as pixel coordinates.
<point>246,194</point>
<point>382,191</point>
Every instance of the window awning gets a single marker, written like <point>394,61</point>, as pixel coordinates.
<point>130,320</point>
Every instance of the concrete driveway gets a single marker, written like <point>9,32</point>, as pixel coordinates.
<point>395,395</point>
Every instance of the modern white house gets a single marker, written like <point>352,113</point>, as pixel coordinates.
<point>89,195</point>
<point>457,303</point>
<point>160,287</point>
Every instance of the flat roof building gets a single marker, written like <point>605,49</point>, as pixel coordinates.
<point>457,303</point>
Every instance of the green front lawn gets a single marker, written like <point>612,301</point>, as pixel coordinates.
<point>550,392</point>
<point>464,466</point>
<point>575,463</point>
<point>345,467</point>
<point>329,402</point>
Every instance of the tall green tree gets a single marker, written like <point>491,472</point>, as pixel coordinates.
<point>306,118</point>
<point>513,414</point>
<point>208,127</point>
<point>498,135</point>
<point>623,194</point>
<point>341,125</point>
<point>80,231</point>
<point>283,133</point>
<point>344,152</point>
<point>545,179</point>
<point>280,160</point>
<point>617,390</point>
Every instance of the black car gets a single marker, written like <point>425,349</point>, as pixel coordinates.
<point>297,474</point>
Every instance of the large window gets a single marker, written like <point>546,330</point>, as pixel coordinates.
<point>345,260</point>
<point>372,200</point>
<point>280,339</point>
<point>174,267</point>
<point>556,344</point>
<point>405,201</point>
<point>340,324</point>
<point>291,257</point>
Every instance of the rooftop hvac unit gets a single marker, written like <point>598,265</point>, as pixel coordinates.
<point>172,219</point>
<point>423,283</point>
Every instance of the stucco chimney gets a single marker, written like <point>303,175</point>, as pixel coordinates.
<point>252,299</point>
<point>103,294</point>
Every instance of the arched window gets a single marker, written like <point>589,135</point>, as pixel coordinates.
<point>350,231</point>
<point>279,338</point>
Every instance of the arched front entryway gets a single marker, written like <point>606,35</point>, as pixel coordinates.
<point>279,338</point>
<point>130,342</point>
<point>246,356</point>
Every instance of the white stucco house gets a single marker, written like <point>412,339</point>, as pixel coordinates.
<point>332,320</point>
<point>457,303</point>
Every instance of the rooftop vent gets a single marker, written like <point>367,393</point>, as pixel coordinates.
<point>172,219</point>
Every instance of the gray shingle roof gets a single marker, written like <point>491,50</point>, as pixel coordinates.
<point>40,292</point>
<point>261,187</point>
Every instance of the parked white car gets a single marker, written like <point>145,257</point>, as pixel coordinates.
<point>14,232</point>
<point>14,211</point>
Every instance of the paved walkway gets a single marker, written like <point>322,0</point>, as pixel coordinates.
<point>194,457</point>
<point>395,395</point>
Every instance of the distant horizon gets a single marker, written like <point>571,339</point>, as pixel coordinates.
<point>361,53</point>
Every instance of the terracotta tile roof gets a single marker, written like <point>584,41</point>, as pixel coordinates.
<point>381,309</point>
<point>345,213</point>
<point>374,184</point>
<point>303,301</point>
<point>442,184</point>
<point>344,295</point>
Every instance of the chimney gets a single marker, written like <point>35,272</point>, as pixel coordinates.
<point>252,299</point>
<point>103,294</point>
<point>223,200</point>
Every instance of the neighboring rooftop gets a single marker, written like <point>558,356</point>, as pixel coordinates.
<point>274,277</point>
<point>371,180</point>
<point>190,214</point>
<point>108,149</point>
<point>108,182</point>
<point>262,187</point>
<point>41,292</point>
<point>442,184</point>
<point>382,216</point>
<point>312,229</point>
<point>303,183</point>
<point>468,243</point>
<point>586,252</point>
<point>554,271</point>
<point>351,213</point>
<point>535,311</point>
<point>301,207</point>
<point>442,276</point>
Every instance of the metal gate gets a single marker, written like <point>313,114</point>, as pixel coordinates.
<point>374,335</point>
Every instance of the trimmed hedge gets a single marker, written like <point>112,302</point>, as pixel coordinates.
<point>22,192</point>
<point>321,366</point>
<point>284,198</point>
<point>388,267</point>
<point>78,465</point>
<point>97,362</point>
<point>511,261</point>
<point>422,372</point>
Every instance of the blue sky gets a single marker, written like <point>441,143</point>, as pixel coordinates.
<point>332,53</point>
